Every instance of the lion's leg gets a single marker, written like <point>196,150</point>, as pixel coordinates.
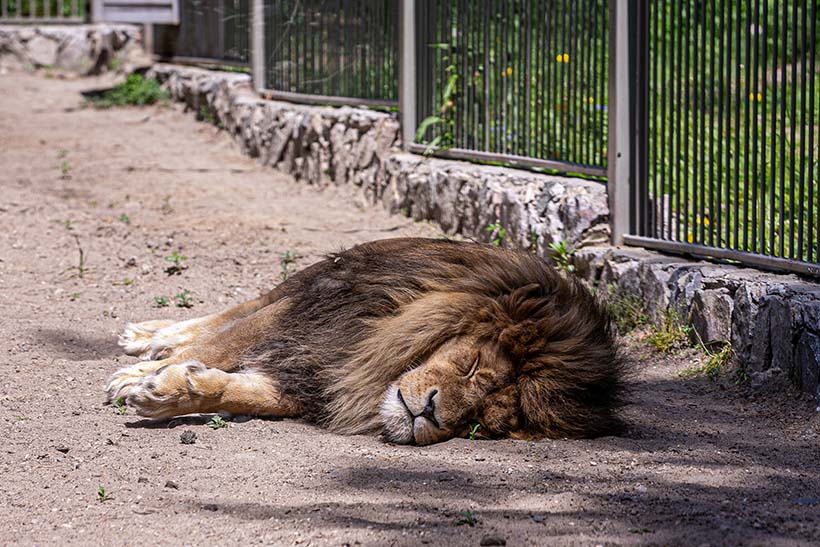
<point>155,340</point>
<point>191,387</point>
<point>221,350</point>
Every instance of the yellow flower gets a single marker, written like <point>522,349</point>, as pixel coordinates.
<point>503,74</point>
<point>759,97</point>
<point>559,58</point>
<point>690,238</point>
<point>566,57</point>
<point>509,71</point>
<point>706,221</point>
<point>591,100</point>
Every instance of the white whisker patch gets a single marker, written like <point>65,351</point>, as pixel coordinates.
<point>398,424</point>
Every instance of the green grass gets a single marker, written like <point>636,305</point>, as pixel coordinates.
<point>184,299</point>
<point>217,422</point>
<point>161,302</point>
<point>468,518</point>
<point>670,334</point>
<point>473,430</point>
<point>627,311</point>
<point>134,91</point>
<point>562,256</point>
<point>715,362</point>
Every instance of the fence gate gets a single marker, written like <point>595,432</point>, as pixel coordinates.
<point>725,117</point>
<point>136,11</point>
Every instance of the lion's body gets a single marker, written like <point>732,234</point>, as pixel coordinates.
<point>333,338</point>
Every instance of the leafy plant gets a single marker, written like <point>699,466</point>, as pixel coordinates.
<point>184,300</point>
<point>206,115</point>
<point>65,170</point>
<point>125,219</point>
<point>467,518</point>
<point>68,224</point>
<point>177,263</point>
<point>134,91</point>
<point>446,117</point>
<point>119,406</point>
<point>217,422</point>
<point>627,311</point>
<point>498,233</point>
<point>161,302</point>
<point>287,259</point>
<point>670,334</point>
<point>562,256</point>
<point>80,267</point>
<point>473,430</point>
<point>102,496</point>
<point>715,360</point>
<point>126,282</point>
<point>74,296</point>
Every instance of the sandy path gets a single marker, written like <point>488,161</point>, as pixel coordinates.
<point>700,464</point>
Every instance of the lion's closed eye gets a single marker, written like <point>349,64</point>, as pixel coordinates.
<point>474,367</point>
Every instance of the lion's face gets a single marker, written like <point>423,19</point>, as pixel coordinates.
<point>462,384</point>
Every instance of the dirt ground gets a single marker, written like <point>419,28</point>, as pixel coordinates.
<point>702,463</point>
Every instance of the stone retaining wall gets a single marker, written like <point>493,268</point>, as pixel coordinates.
<point>328,145</point>
<point>771,320</point>
<point>74,49</point>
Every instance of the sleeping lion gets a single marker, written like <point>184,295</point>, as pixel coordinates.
<point>419,339</point>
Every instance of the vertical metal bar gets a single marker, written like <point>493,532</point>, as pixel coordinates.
<point>757,188</point>
<point>763,248</point>
<point>527,126</point>
<point>738,107</point>
<point>746,127</point>
<point>783,73</point>
<point>697,135</point>
<point>619,121</point>
<point>804,120</point>
<point>773,163</point>
<point>709,219</point>
<point>793,134</point>
<point>659,114</point>
<point>810,147</point>
<point>486,27</point>
<point>407,72</point>
<point>721,115</point>
<point>258,70</point>
<point>641,114</point>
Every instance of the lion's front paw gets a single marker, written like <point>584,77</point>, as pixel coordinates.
<point>136,338</point>
<point>123,381</point>
<point>170,391</point>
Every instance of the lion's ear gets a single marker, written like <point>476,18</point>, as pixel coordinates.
<point>521,338</point>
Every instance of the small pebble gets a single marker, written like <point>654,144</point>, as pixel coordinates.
<point>63,449</point>
<point>142,480</point>
<point>187,437</point>
<point>171,484</point>
<point>493,540</point>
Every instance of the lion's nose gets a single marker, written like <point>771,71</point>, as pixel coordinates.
<point>429,411</point>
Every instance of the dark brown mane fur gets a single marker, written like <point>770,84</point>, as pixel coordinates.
<point>362,317</point>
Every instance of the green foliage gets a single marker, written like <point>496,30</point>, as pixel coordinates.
<point>627,311</point>
<point>134,91</point>
<point>287,259</point>
<point>161,302</point>
<point>206,115</point>
<point>468,518</point>
<point>217,422</point>
<point>670,334</point>
<point>119,406</point>
<point>715,361</point>
<point>125,219</point>
<point>102,496</point>
<point>74,296</point>
<point>126,282</point>
<point>68,224</point>
<point>65,170</point>
<point>184,300</point>
<point>562,255</point>
<point>498,233</point>
<point>445,120</point>
<point>177,263</point>
<point>473,430</point>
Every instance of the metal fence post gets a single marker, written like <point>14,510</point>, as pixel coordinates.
<point>258,64</point>
<point>619,145</point>
<point>407,71</point>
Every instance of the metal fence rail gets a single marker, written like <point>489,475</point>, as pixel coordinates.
<point>518,81</point>
<point>728,141</point>
<point>43,11</point>
<point>332,51</point>
<point>209,31</point>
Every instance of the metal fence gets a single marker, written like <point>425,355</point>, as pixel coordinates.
<point>339,51</point>
<point>516,81</point>
<point>209,31</point>
<point>43,11</point>
<point>727,125</point>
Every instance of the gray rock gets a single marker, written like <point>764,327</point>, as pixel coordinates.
<point>711,316</point>
<point>807,363</point>
<point>42,51</point>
